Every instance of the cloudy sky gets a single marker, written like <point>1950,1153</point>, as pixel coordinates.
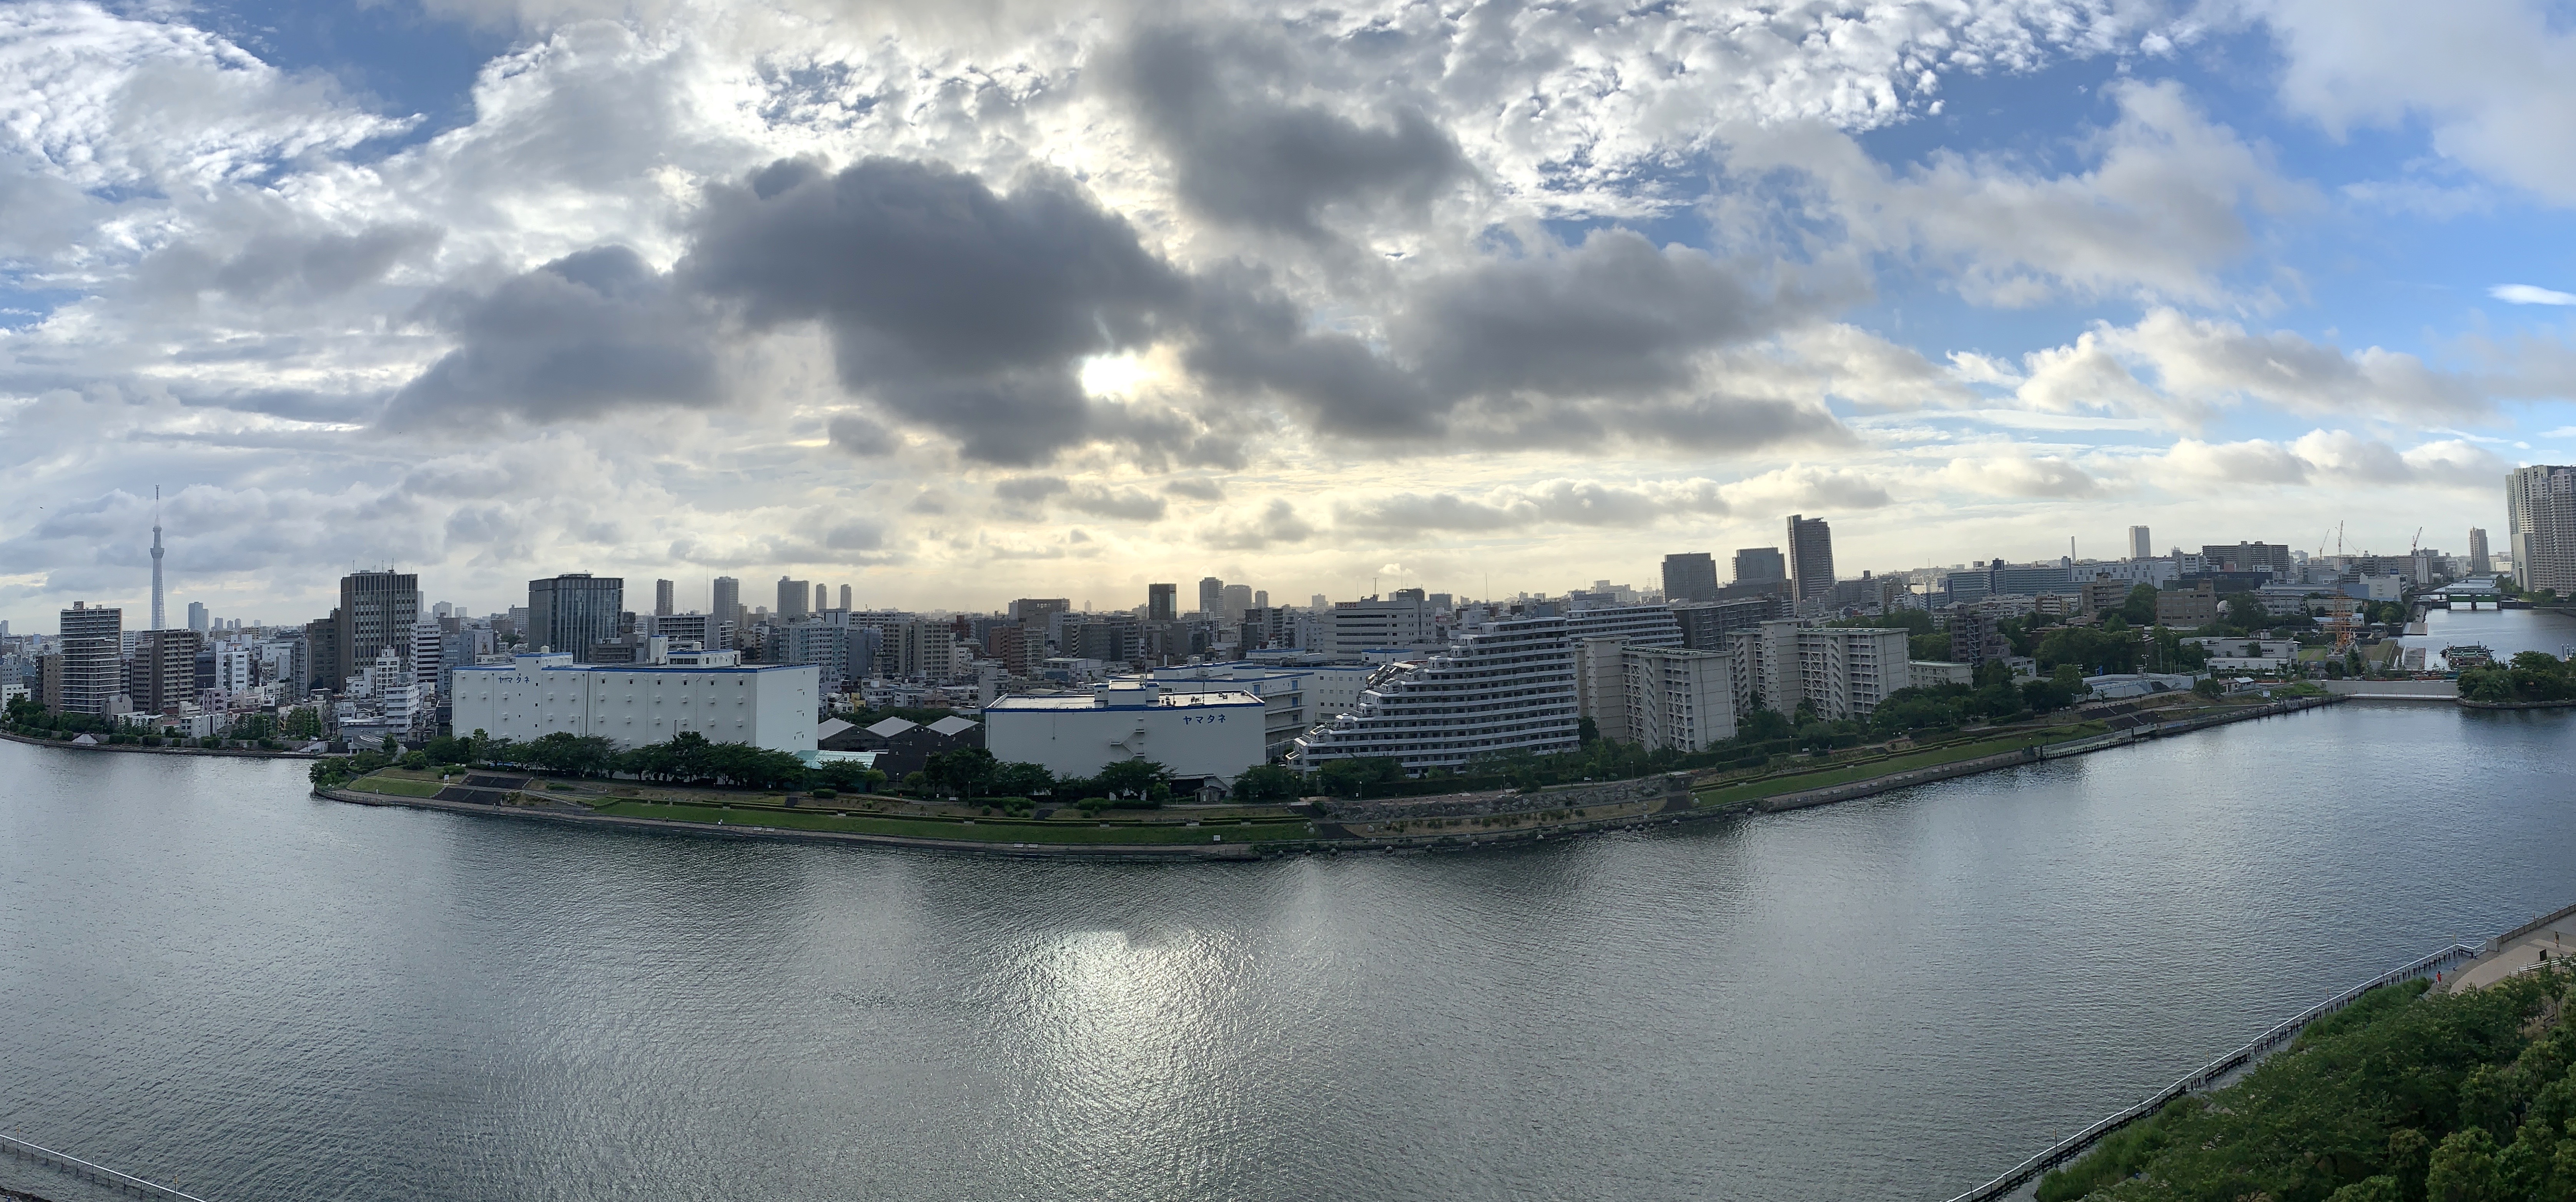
<point>968,300</point>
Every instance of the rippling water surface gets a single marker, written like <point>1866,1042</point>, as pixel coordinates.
<point>213,980</point>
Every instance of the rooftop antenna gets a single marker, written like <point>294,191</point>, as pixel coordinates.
<point>160,619</point>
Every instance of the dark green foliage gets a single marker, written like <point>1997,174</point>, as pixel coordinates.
<point>1142,779</point>
<point>2140,608</point>
<point>1269,782</point>
<point>2096,649</point>
<point>2401,1097</point>
<point>2529,676</point>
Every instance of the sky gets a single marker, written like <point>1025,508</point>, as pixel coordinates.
<point>962,301</point>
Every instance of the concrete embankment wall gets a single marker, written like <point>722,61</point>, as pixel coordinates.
<point>242,753</point>
<point>1649,790</point>
<point>2394,690</point>
<point>1938,772</point>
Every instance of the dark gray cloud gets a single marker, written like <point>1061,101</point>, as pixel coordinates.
<point>968,312</point>
<point>581,336</point>
<point>953,306</point>
<point>1125,504</point>
<point>1195,489</point>
<point>1242,154</point>
<point>1608,339</point>
<point>860,436</point>
<point>290,267</point>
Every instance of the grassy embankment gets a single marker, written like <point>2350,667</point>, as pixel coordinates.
<point>1844,772</point>
<point>2400,1096</point>
<point>851,815</point>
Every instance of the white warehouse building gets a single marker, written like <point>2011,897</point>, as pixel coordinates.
<point>770,706</point>
<point>1196,735</point>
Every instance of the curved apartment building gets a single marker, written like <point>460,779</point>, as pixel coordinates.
<point>1502,687</point>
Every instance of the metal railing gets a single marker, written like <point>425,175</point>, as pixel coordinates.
<point>99,1173</point>
<point>2070,1147</point>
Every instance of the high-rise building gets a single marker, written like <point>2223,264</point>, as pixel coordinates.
<point>2140,546</point>
<point>725,600</point>
<point>2249,557</point>
<point>1754,565</point>
<point>662,606</point>
<point>1318,603</point>
<point>197,616</point>
<point>822,597</point>
<point>1843,671</point>
<point>1403,619</point>
<point>376,611</point>
<point>1690,576</point>
<point>2540,507</point>
<point>1211,596</point>
<point>793,596</point>
<point>570,612</point>
<point>1657,697</point>
<point>1811,558</point>
<point>159,618</point>
<point>163,672</point>
<point>1235,599</point>
<point>1503,687</point>
<point>429,653</point>
<point>1159,602</point>
<point>2480,562</point>
<point>845,596</point>
<point>93,667</point>
<point>321,654</point>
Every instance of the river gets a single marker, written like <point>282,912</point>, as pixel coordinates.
<point>215,981</point>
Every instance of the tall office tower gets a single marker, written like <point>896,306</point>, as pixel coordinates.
<point>2540,507</point>
<point>159,619</point>
<point>570,612</point>
<point>322,654</point>
<point>1690,576</point>
<point>2140,546</point>
<point>93,657</point>
<point>724,601</point>
<point>1753,565</point>
<point>662,607</point>
<point>1211,596</point>
<point>845,596</point>
<point>197,616</point>
<point>1811,558</point>
<point>1235,599</point>
<point>2480,563</point>
<point>429,652</point>
<point>164,670</point>
<point>1261,598</point>
<point>376,612</point>
<point>443,610</point>
<point>822,597</point>
<point>1159,602</point>
<point>1319,603</point>
<point>792,598</point>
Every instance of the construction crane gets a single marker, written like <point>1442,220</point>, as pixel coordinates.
<point>2415,543</point>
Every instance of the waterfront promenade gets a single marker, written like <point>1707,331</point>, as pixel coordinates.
<point>2548,937</point>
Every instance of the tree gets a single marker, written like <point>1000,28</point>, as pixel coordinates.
<point>2464,1169</point>
<point>2245,612</point>
<point>2208,686</point>
<point>1268,782</point>
<point>967,771</point>
<point>2140,607</point>
<point>1136,778</point>
<point>303,722</point>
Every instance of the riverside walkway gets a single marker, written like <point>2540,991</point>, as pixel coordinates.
<point>2545,938</point>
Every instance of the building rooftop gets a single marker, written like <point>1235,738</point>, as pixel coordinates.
<point>1121,699</point>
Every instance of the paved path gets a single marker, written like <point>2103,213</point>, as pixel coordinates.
<point>2553,941</point>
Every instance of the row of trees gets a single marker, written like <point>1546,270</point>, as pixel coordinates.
<point>2529,676</point>
<point>2398,1098</point>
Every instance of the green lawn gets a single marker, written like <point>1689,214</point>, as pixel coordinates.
<point>397,786</point>
<point>1848,774</point>
<point>987,830</point>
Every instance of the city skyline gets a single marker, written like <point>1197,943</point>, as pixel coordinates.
<point>1958,281</point>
